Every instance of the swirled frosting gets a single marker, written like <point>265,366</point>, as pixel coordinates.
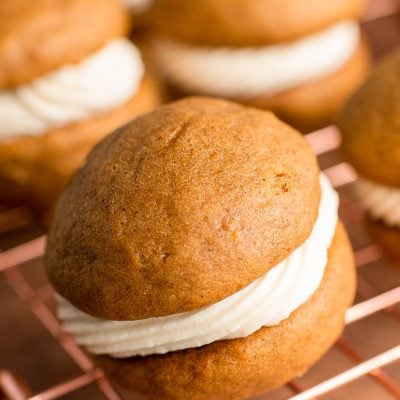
<point>381,202</point>
<point>265,302</point>
<point>250,72</point>
<point>73,93</point>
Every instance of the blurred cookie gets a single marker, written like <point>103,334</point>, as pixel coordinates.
<point>60,94</point>
<point>304,68</point>
<point>370,126</point>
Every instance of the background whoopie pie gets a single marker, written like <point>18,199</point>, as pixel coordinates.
<point>198,253</point>
<point>300,59</point>
<point>68,76</point>
<point>370,126</point>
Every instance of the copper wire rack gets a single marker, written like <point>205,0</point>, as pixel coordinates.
<point>38,361</point>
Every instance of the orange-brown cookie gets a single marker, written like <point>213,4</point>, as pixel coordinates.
<point>237,369</point>
<point>315,104</point>
<point>36,168</point>
<point>387,238</point>
<point>181,209</point>
<point>370,125</point>
<point>247,22</point>
<point>38,36</point>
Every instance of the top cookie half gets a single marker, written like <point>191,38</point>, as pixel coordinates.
<point>38,36</point>
<point>181,208</point>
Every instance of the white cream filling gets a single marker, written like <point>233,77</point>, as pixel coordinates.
<point>381,202</point>
<point>265,302</point>
<point>250,72</point>
<point>105,80</point>
<point>137,6</point>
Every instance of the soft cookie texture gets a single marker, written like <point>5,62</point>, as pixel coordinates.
<point>247,22</point>
<point>237,369</point>
<point>36,168</point>
<point>370,125</point>
<point>38,36</point>
<point>181,209</point>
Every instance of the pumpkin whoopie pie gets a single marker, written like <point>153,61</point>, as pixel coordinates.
<point>300,59</point>
<point>198,253</point>
<point>68,76</point>
<point>370,126</point>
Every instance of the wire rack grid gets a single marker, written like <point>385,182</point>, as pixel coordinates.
<point>21,257</point>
